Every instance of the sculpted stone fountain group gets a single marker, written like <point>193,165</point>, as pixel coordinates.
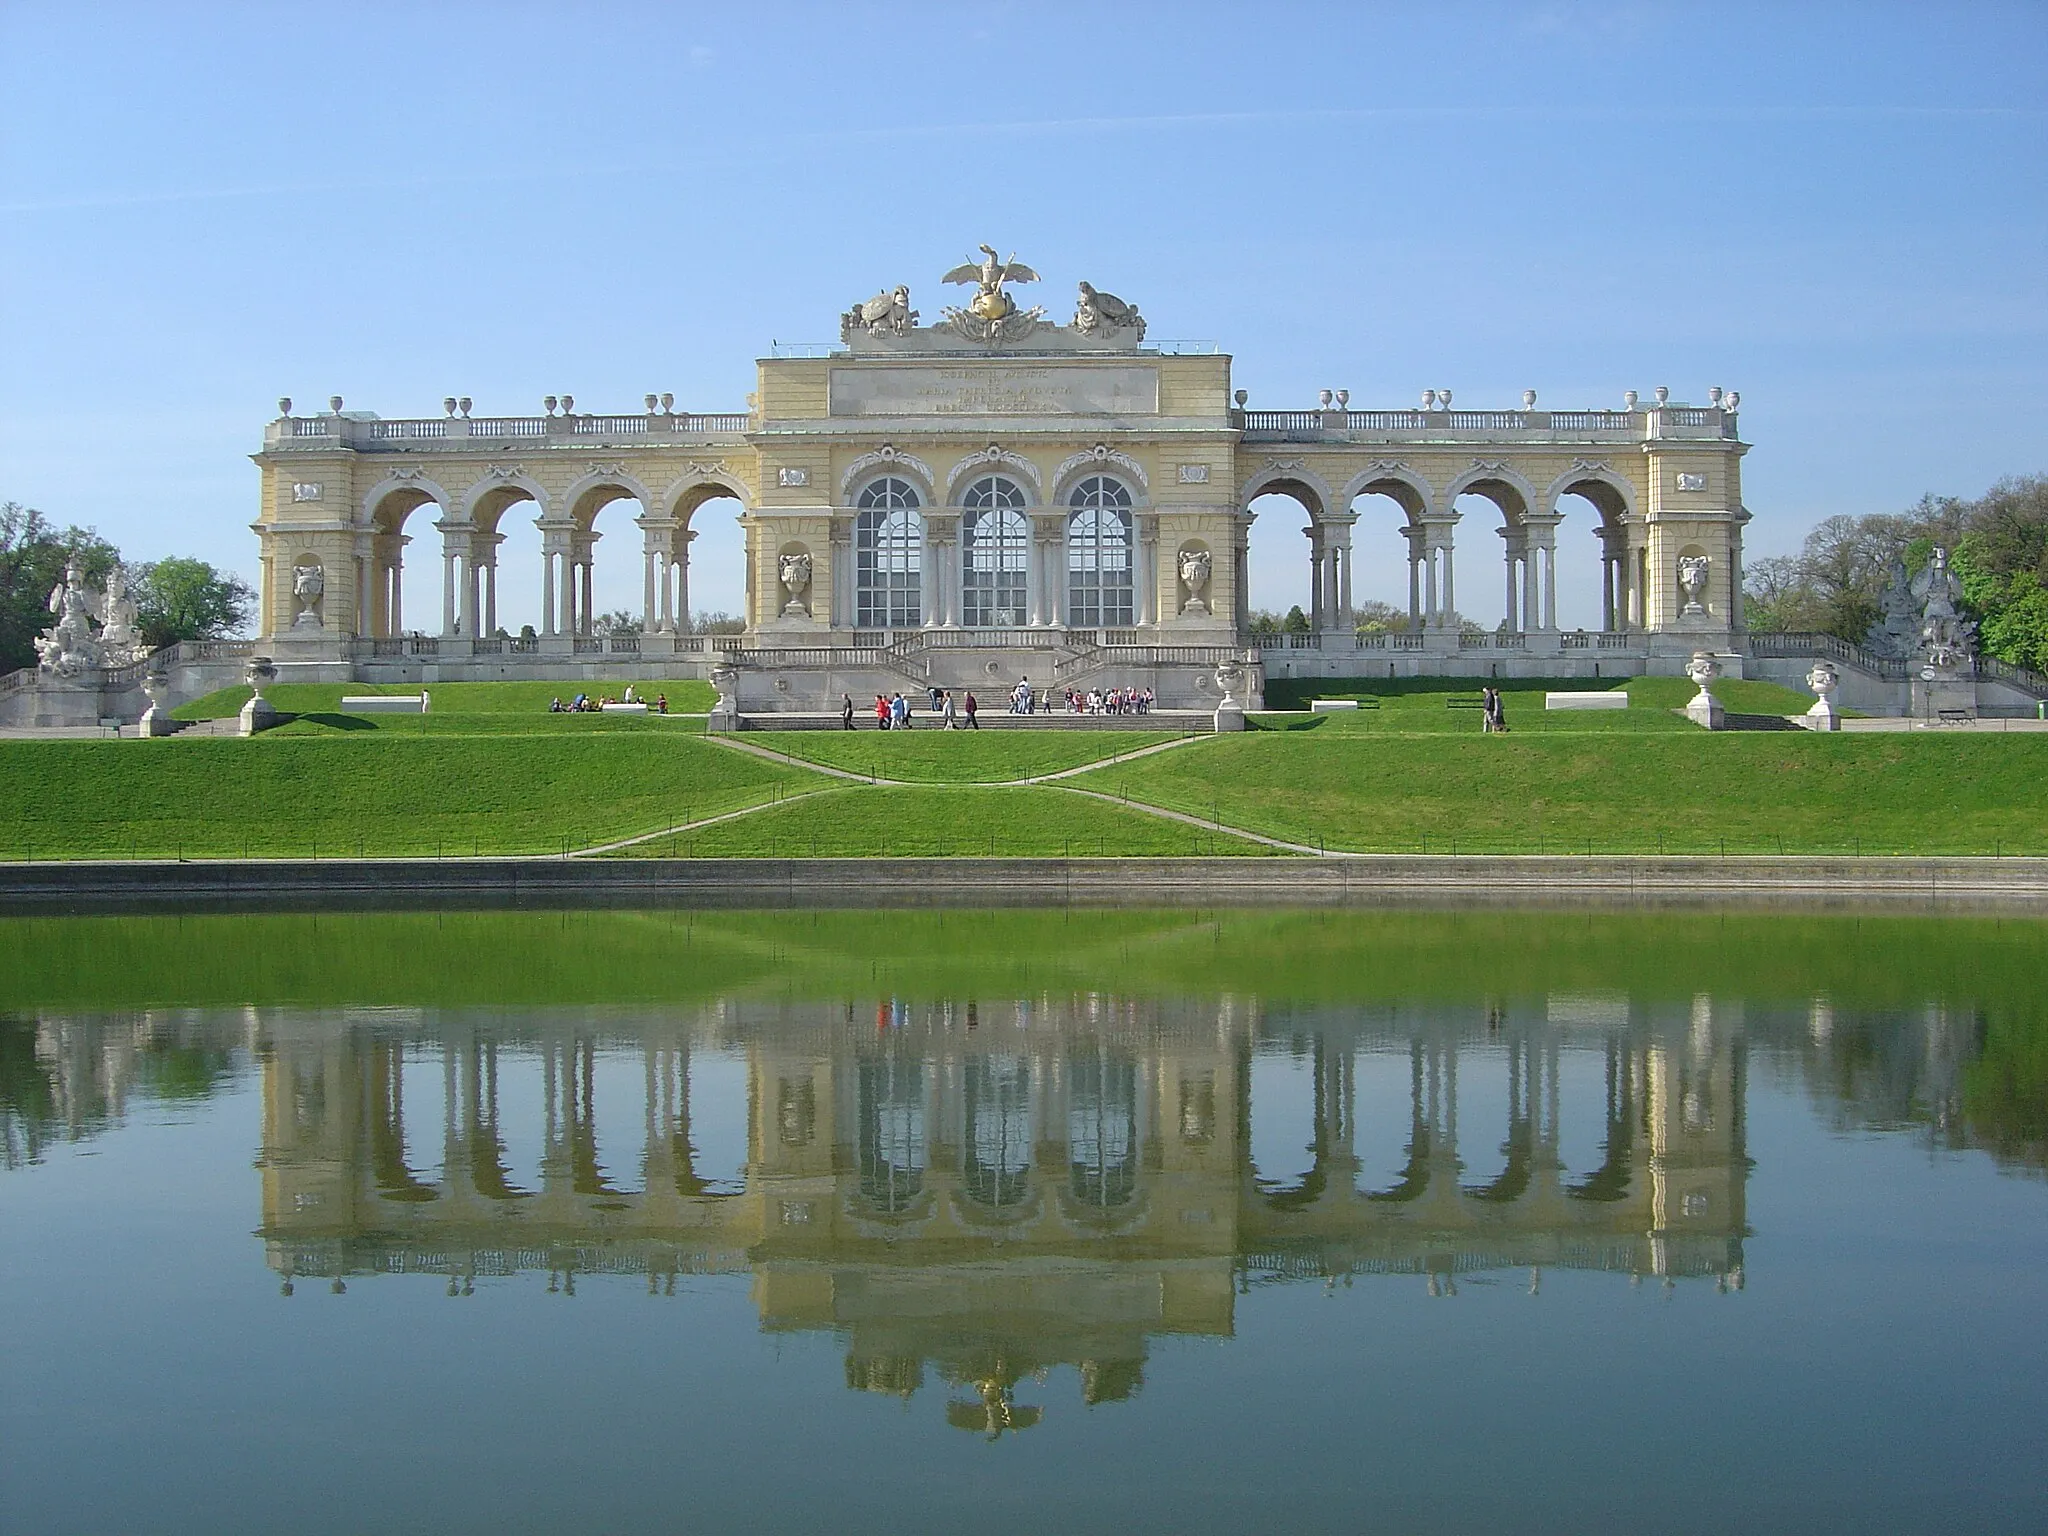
<point>992,318</point>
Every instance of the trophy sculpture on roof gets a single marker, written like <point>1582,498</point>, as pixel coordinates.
<point>992,315</point>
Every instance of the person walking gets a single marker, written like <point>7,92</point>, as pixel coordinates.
<point>1494,717</point>
<point>899,713</point>
<point>881,713</point>
<point>845,710</point>
<point>973,720</point>
<point>948,712</point>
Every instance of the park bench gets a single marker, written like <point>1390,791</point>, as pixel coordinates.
<point>622,709</point>
<point>1330,706</point>
<point>1953,716</point>
<point>1465,701</point>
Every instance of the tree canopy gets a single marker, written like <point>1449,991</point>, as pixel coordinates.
<point>1835,584</point>
<point>175,599</point>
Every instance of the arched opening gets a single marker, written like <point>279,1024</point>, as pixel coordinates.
<point>888,556</point>
<point>699,558</point>
<point>995,552</point>
<point>506,538</point>
<point>1499,507</point>
<point>1602,510</point>
<point>1285,1106</point>
<point>380,579</point>
<point>1101,546</point>
<point>1386,549</point>
<point>1284,514</point>
<point>615,603</point>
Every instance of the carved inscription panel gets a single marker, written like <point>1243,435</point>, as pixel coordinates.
<point>1000,390</point>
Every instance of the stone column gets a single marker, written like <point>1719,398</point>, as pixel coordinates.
<point>394,619</point>
<point>1510,539</point>
<point>682,548</point>
<point>547,592</point>
<point>584,615</point>
<point>1315,577</point>
<point>1345,618</point>
<point>447,591</point>
<point>1148,570</point>
<point>1415,556</point>
<point>651,606</point>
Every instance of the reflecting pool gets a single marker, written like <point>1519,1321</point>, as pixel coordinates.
<point>1086,1221</point>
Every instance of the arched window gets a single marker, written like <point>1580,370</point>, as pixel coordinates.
<point>1099,592</point>
<point>996,1158</point>
<point>888,556</point>
<point>995,540</point>
<point>1102,1130</point>
<point>890,1140</point>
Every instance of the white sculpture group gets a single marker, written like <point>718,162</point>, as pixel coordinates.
<point>72,646</point>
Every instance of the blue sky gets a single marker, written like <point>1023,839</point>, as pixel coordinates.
<point>1837,210</point>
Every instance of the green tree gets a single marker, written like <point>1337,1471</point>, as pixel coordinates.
<point>617,622</point>
<point>1373,617</point>
<point>33,555</point>
<point>185,599</point>
<point>1296,622</point>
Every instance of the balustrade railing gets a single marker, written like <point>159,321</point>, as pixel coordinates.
<point>1594,421</point>
<point>588,645</point>
<point>509,426</point>
<point>397,429</point>
<point>315,426</point>
<point>2002,671</point>
<point>454,430</point>
<point>1802,645</point>
<point>18,679</point>
<point>1383,421</point>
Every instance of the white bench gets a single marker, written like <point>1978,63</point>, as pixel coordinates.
<point>1614,699</point>
<point>622,709</point>
<point>383,703</point>
<point>1326,706</point>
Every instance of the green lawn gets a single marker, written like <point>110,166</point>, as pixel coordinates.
<point>510,698</point>
<point>1611,792</point>
<point>1418,705</point>
<point>372,794</point>
<point>955,757</point>
<point>861,822</point>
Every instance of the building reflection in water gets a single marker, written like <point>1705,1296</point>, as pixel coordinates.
<point>979,1192</point>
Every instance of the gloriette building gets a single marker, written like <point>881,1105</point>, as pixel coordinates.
<point>991,494</point>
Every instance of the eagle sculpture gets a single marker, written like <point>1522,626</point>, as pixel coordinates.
<point>988,276</point>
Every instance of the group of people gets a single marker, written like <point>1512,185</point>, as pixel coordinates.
<point>893,711</point>
<point>1110,701</point>
<point>1493,718</point>
<point>584,704</point>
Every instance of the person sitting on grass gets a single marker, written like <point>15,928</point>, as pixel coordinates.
<point>555,705</point>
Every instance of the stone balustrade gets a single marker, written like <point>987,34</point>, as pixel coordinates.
<point>490,434</point>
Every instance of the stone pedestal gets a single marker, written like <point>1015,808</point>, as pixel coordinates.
<point>259,714</point>
<point>1705,710</point>
<point>1822,717</point>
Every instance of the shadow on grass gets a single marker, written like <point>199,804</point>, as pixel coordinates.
<point>1285,722</point>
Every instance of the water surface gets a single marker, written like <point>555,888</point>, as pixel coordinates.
<point>1095,1221</point>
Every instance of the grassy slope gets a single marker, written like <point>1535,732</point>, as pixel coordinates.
<point>861,822</point>
<point>448,698</point>
<point>955,757</point>
<point>376,794</point>
<point>1366,789</point>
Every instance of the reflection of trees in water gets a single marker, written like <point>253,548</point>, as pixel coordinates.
<point>68,1079</point>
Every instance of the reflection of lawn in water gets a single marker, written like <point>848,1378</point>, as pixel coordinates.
<point>374,793</point>
<point>1661,959</point>
<point>882,822</point>
<point>1363,787</point>
<point>938,756</point>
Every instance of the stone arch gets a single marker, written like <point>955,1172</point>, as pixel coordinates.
<point>887,460</point>
<point>994,460</point>
<point>1289,478</point>
<point>683,497</point>
<point>583,499</point>
<point>1489,480</point>
<point>1398,483</point>
<point>388,503</point>
<point>1609,491</point>
<point>1100,460</point>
